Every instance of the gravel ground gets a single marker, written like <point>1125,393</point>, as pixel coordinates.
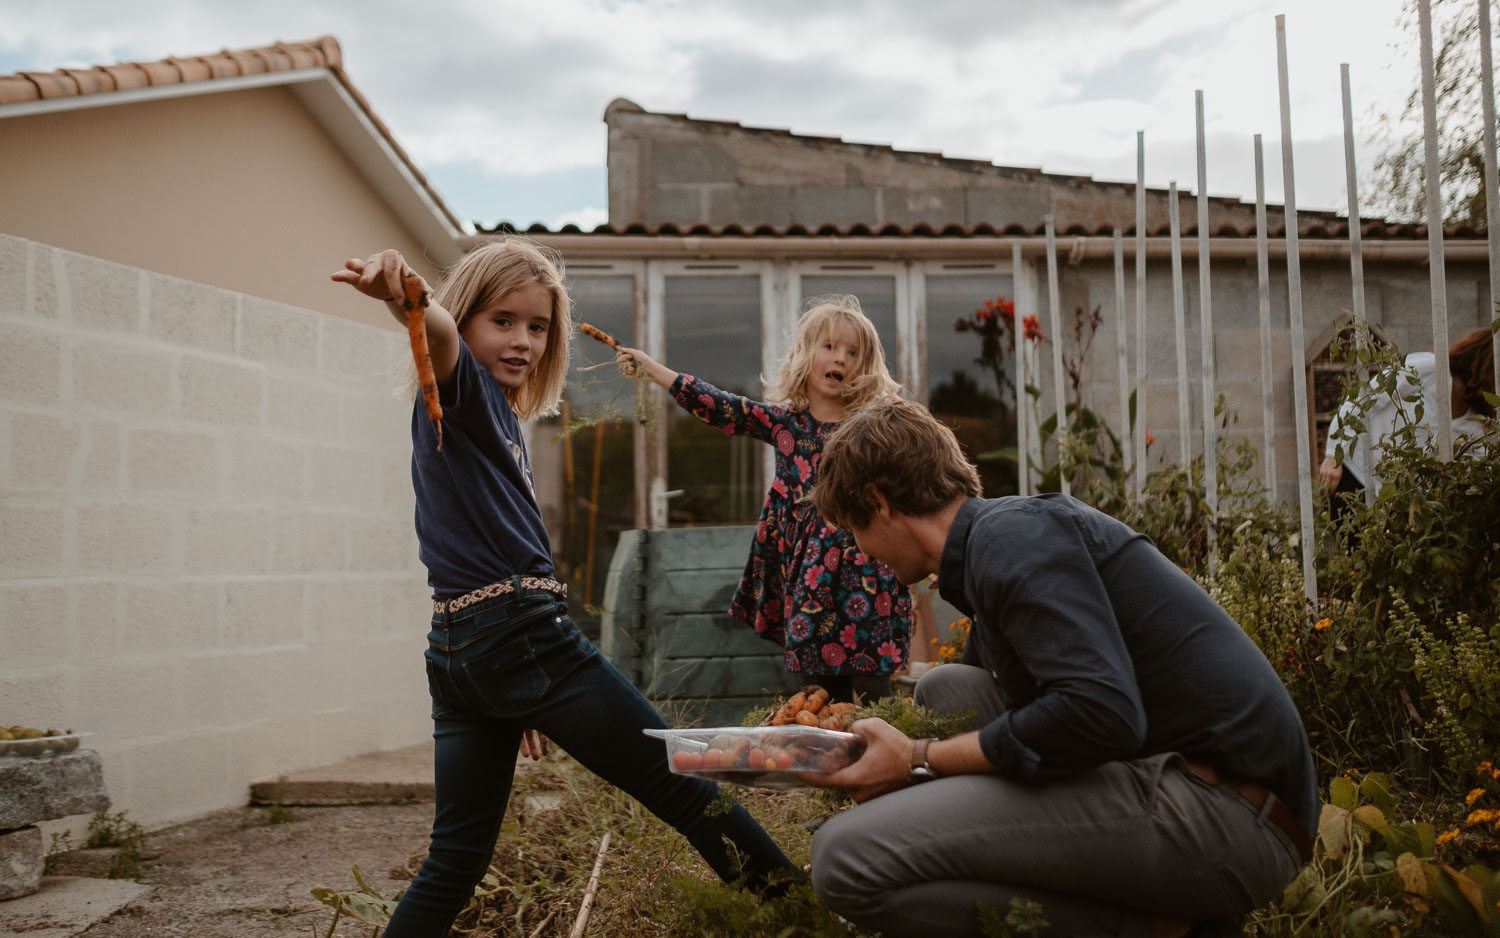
<point>234,875</point>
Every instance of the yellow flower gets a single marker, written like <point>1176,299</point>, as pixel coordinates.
<point>1485,767</point>
<point>1482,816</point>
<point>1323,624</point>
<point>1474,796</point>
<point>1447,835</point>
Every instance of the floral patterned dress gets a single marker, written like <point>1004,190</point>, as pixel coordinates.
<point>806,585</point>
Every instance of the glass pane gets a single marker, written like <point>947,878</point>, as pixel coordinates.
<point>713,333</point>
<point>877,297</point>
<point>598,484</point>
<point>969,387</point>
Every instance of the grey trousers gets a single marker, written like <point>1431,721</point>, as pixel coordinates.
<point>1104,851</point>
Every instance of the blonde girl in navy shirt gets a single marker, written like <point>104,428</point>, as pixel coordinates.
<point>505,666</point>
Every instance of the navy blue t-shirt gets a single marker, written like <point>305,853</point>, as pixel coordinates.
<point>477,518</point>
<point>1103,650</point>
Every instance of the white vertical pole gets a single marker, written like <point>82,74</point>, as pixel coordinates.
<point>1140,311</point>
<point>1057,356</point>
<point>1179,318</point>
<point>1356,252</point>
<point>1124,353</point>
<point>1263,283</point>
<point>1435,273</point>
<point>1491,200</point>
<point>1023,450</point>
<point>1294,308</point>
<point>1206,347</point>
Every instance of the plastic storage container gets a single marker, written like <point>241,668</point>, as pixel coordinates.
<point>758,756</point>
<point>40,746</point>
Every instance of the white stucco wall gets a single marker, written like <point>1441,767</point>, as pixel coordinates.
<point>206,546</point>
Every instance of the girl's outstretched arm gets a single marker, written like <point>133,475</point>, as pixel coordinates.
<point>655,370</point>
<point>379,277</point>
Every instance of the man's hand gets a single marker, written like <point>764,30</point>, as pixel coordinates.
<point>883,768</point>
<point>1331,472</point>
<point>533,745</point>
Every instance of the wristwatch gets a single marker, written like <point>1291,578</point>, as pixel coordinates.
<point>921,770</point>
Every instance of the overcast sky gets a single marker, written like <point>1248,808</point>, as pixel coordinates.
<point>501,103</point>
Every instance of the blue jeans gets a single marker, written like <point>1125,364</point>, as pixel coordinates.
<point>516,662</point>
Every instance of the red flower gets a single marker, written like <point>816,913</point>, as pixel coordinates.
<point>1150,440</point>
<point>847,636</point>
<point>889,650</point>
<point>833,655</point>
<point>883,604</point>
<point>784,442</point>
<point>1033,328</point>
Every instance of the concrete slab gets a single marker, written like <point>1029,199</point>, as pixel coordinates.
<point>66,906</point>
<point>395,776</point>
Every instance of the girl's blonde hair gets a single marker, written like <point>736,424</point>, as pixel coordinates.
<point>870,379</point>
<point>487,273</point>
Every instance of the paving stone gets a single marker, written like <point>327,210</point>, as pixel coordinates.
<point>21,861</point>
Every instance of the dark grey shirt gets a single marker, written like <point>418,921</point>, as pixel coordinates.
<point>1104,650</point>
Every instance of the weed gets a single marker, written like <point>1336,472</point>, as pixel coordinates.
<point>113,830</point>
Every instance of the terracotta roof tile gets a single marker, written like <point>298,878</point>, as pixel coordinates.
<point>322,52</point>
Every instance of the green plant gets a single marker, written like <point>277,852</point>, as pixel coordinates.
<point>277,812</point>
<point>62,842</point>
<point>1023,919</point>
<point>113,830</point>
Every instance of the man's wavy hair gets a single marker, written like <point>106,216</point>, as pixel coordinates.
<point>897,448</point>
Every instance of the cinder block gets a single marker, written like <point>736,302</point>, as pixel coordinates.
<point>691,162</point>
<point>95,619</point>
<point>43,452</point>
<point>226,541</point>
<point>30,365</point>
<point>15,262</point>
<point>304,679</point>
<point>131,538</point>
<point>21,859</point>
<point>46,262</point>
<point>278,335</point>
<point>180,462</point>
<point>749,206</point>
<point>351,348</point>
<point>33,626</point>
<point>133,380</point>
<point>818,205</point>
<point>264,612</point>
<point>48,787</point>
<point>101,295</point>
<point>375,414</point>
<point>34,537</point>
<point>222,393</point>
<point>325,541</point>
<point>42,692</point>
<point>936,207</point>
<point>265,470</point>
<point>681,205</point>
<point>289,407</point>
<point>191,315</point>
<point>339,609</point>
<point>341,475</point>
<point>225,688</point>
<point>378,545</point>
<point>180,777</point>
<point>101,467</point>
<point>170,617</point>
<point>129,698</point>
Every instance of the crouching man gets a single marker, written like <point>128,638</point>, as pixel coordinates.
<point>1138,768</point>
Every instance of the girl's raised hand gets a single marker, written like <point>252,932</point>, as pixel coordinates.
<point>633,359</point>
<point>379,275</point>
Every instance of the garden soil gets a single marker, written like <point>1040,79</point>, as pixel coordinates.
<point>233,874</point>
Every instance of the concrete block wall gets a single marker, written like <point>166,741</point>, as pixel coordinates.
<point>207,556</point>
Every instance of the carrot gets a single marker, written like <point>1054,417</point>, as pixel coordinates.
<point>816,700</point>
<point>594,332</point>
<point>806,718</point>
<point>416,326</point>
<point>789,710</point>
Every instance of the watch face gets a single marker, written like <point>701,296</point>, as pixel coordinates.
<point>920,773</point>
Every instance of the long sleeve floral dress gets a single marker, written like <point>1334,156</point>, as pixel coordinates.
<point>806,586</point>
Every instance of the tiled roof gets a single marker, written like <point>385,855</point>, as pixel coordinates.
<point>1332,229</point>
<point>323,52</point>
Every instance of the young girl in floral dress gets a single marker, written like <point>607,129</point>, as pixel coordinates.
<point>843,618</point>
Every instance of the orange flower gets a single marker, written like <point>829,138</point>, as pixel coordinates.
<point>1482,816</point>
<point>1447,835</point>
<point>1323,624</point>
<point>1474,796</point>
<point>1150,440</point>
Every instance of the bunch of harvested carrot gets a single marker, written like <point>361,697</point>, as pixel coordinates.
<point>810,707</point>
<point>415,304</point>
